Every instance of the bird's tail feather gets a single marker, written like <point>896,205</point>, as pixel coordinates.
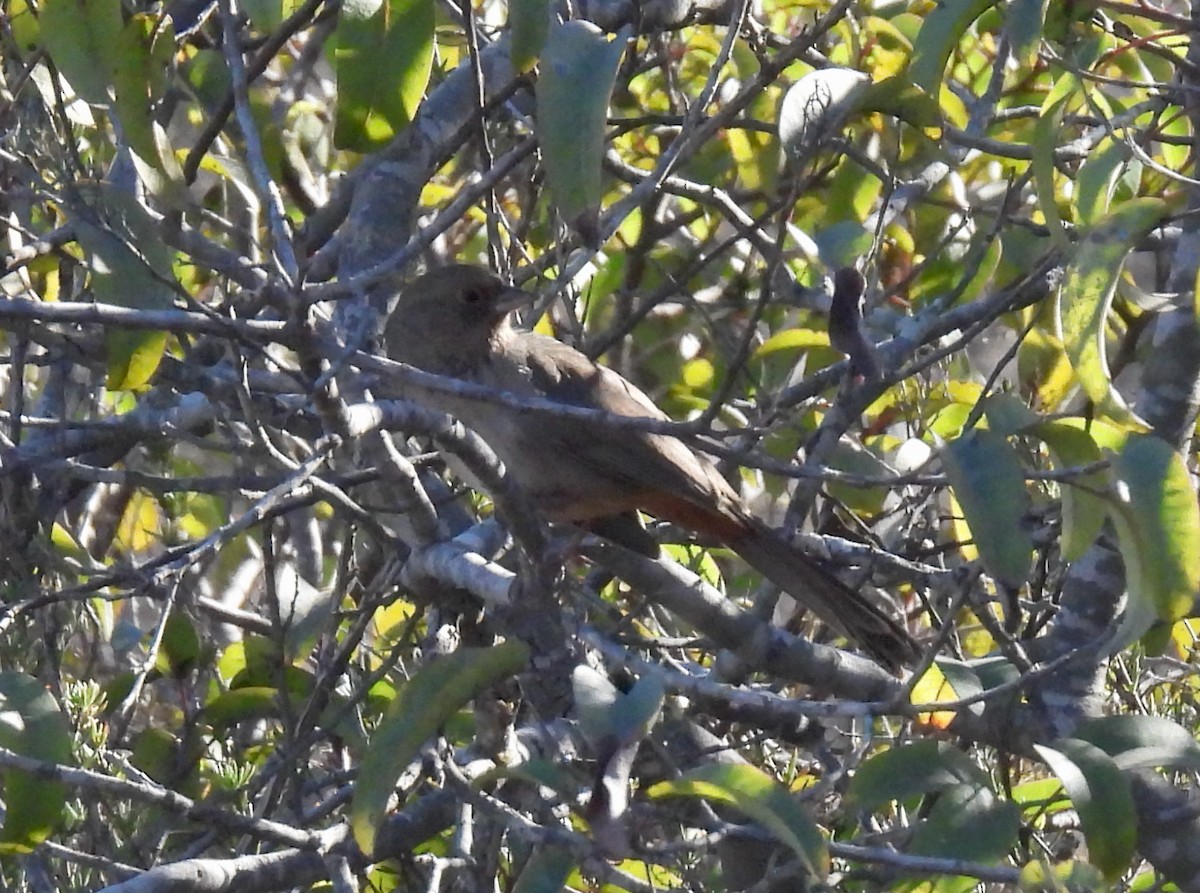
<point>879,634</point>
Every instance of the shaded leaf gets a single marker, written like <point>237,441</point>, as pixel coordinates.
<point>32,725</point>
<point>990,487</point>
<point>130,267</point>
<point>434,694</point>
<point>579,66</point>
<point>1142,742</point>
<point>1023,20</point>
<point>529,21</point>
<point>968,822</point>
<point>909,771</point>
<point>82,37</point>
<point>546,870</point>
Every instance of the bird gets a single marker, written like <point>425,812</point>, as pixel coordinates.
<point>456,321</point>
<point>845,323</point>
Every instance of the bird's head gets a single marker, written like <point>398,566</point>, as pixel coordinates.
<point>450,318</point>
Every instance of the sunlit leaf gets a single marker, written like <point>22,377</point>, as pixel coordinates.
<point>944,681</point>
<point>759,796</point>
<point>941,30</point>
<point>383,55</point>
<point>1097,179</point>
<point>1046,139</point>
<point>1044,369</point>
<point>1158,525</point>
<point>1086,295</point>
<point>817,105</point>
<point>1102,797</point>
<point>1083,505</point>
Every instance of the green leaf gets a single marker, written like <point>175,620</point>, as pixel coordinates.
<point>242,704</point>
<point>902,99</point>
<point>990,487</point>
<point>82,37</point>
<point>1097,179</point>
<point>1142,742</point>
<point>433,695</point>
<point>1102,796</point>
<point>579,66</point>
<point>594,697</point>
<point>941,31</point>
<point>1046,138</point>
<point>145,48</point>
<point>383,55</point>
<point>1158,525</point>
<point>32,725</point>
<point>1086,295</point>
<point>1023,20</point>
<point>546,871</point>
<point>968,822</point>
<point>763,799</point>
<point>910,771</point>
<point>1044,370</point>
<point>180,648</point>
<point>130,267</point>
<point>1083,505</point>
<point>529,21</point>
<point>23,25</point>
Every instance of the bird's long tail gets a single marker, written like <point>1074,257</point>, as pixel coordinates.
<point>879,634</point>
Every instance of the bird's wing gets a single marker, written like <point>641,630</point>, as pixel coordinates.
<point>648,463</point>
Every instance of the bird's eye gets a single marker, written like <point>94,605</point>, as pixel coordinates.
<point>474,296</point>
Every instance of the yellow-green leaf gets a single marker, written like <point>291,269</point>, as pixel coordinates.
<point>1083,506</point>
<point>383,55</point>
<point>941,30</point>
<point>1086,295</point>
<point>763,799</point>
<point>82,37</point>
<point>1103,799</point>
<point>1158,525</point>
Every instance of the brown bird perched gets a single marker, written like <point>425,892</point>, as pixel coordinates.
<point>454,321</point>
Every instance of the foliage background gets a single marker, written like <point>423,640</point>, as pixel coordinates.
<point>241,602</point>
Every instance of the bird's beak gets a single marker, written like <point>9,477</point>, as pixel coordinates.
<point>512,299</point>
